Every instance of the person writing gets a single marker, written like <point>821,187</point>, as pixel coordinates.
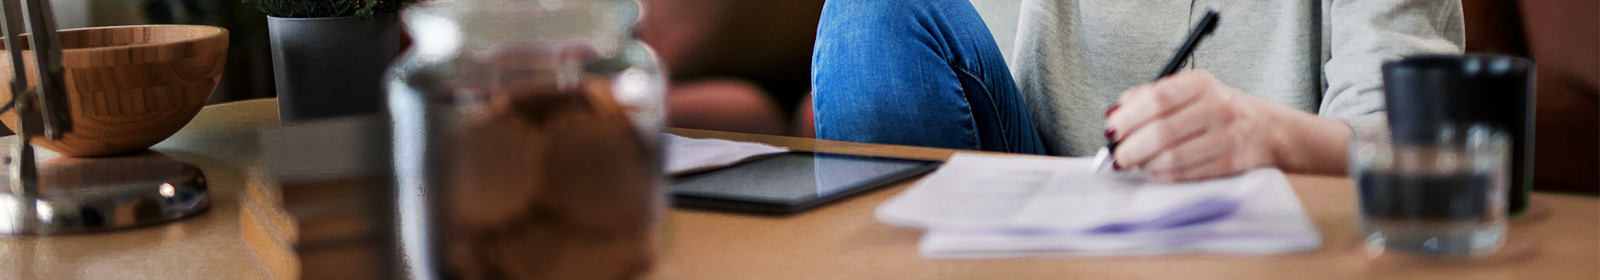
<point>1277,84</point>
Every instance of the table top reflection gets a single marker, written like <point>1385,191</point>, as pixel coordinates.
<point>1558,239</point>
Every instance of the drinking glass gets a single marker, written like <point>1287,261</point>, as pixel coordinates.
<point>1439,196</point>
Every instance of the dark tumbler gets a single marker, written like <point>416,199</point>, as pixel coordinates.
<point>1423,92</point>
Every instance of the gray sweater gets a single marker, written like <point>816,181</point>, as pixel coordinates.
<point>1074,57</point>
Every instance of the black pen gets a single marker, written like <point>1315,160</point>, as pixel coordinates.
<point>1208,23</point>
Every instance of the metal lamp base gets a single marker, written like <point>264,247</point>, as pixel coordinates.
<point>79,195</point>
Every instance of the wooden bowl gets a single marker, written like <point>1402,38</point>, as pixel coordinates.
<point>128,87</point>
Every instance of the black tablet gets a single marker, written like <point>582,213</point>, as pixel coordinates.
<point>790,182</point>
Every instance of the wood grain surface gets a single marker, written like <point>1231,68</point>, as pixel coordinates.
<point>129,87</point>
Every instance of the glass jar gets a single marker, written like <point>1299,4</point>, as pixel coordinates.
<point>526,141</point>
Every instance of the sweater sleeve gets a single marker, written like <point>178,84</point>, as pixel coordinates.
<point>1359,35</point>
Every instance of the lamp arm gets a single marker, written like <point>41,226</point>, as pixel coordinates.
<point>52,95</point>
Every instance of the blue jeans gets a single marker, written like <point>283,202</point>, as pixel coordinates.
<point>915,72</point>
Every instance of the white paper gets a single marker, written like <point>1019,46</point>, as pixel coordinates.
<point>984,192</point>
<point>688,155</point>
<point>1270,223</point>
<point>988,206</point>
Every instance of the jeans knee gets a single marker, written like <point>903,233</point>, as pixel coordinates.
<point>882,13</point>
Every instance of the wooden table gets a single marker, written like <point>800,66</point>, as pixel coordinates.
<point>1560,239</point>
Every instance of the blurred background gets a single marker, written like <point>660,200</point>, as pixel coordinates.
<point>743,65</point>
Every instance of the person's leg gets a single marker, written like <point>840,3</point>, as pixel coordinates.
<point>915,72</point>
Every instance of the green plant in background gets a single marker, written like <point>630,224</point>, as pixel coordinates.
<point>329,8</point>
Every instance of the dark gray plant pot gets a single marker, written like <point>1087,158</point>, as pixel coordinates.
<point>328,67</point>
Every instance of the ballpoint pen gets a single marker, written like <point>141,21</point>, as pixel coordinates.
<point>1208,23</point>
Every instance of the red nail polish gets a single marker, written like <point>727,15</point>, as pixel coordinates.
<point>1115,166</point>
<point>1112,109</point>
<point>1111,132</point>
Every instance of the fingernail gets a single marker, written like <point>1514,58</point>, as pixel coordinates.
<point>1112,109</point>
<point>1115,166</point>
<point>1110,132</point>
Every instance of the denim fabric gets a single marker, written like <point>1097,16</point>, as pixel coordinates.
<point>915,72</point>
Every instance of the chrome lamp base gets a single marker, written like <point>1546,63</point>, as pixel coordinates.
<point>79,195</point>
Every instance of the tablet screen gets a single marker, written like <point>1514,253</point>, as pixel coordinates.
<point>796,178</point>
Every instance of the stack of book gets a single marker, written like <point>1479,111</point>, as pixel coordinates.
<point>323,207</point>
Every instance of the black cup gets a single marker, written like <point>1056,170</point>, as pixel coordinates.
<point>1427,91</point>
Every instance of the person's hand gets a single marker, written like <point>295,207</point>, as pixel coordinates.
<point>1190,126</point>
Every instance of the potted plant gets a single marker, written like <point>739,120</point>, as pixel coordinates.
<point>329,55</point>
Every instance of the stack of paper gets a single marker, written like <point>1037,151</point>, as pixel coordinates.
<point>687,155</point>
<point>998,206</point>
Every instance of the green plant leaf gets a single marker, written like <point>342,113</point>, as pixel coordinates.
<point>329,8</point>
